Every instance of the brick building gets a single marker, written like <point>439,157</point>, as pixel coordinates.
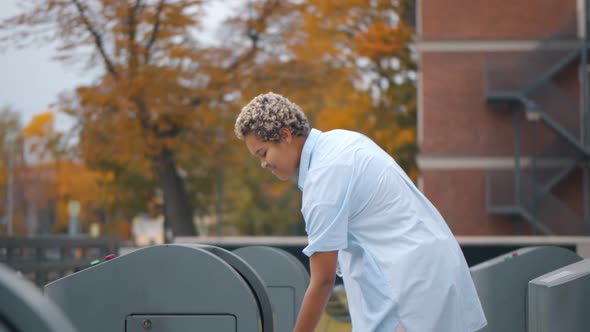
<point>503,115</point>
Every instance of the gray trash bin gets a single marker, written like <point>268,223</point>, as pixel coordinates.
<point>172,288</point>
<point>501,283</point>
<point>560,300</point>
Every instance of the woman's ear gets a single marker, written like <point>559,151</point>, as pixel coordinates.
<point>286,135</point>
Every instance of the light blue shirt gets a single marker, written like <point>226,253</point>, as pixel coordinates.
<point>398,259</point>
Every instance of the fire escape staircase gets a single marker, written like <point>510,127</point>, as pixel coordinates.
<point>528,83</point>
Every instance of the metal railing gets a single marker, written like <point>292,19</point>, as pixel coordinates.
<point>519,193</point>
<point>511,74</point>
<point>47,258</point>
<point>560,111</point>
<point>528,78</point>
<point>516,74</point>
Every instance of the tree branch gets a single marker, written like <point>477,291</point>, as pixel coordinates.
<point>97,38</point>
<point>155,30</point>
<point>269,7</point>
<point>173,131</point>
<point>132,26</point>
<point>254,35</point>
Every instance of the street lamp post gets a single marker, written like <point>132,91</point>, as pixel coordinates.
<point>220,136</point>
<point>10,141</point>
<point>9,191</point>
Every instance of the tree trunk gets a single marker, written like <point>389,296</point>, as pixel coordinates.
<point>178,210</point>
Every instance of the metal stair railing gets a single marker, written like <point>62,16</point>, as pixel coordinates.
<point>528,79</point>
<point>508,196</point>
<point>549,177</point>
<point>561,112</point>
<point>556,159</point>
<point>551,214</point>
<point>511,75</point>
<point>500,192</point>
<point>505,194</point>
<point>508,76</point>
<point>558,217</point>
<point>548,167</point>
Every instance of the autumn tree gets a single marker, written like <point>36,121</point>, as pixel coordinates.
<point>348,64</point>
<point>55,177</point>
<point>159,90</point>
<point>318,56</point>
<point>290,64</point>
<point>161,114</point>
<point>370,43</point>
<point>73,181</point>
<point>390,66</point>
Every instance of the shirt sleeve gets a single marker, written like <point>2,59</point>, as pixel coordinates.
<point>325,208</point>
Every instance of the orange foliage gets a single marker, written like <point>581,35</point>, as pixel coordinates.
<point>162,97</point>
<point>381,41</point>
<point>72,181</point>
<point>350,46</point>
<point>41,125</point>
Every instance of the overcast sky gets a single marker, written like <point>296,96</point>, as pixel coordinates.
<point>30,80</point>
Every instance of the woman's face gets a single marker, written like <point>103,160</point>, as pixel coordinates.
<point>281,158</point>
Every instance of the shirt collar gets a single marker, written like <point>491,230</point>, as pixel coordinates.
<point>306,152</point>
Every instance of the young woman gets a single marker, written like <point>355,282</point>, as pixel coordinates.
<point>366,221</point>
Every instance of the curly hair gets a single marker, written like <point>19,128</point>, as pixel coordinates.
<point>266,114</point>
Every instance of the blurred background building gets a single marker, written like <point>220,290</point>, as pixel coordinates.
<point>503,115</point>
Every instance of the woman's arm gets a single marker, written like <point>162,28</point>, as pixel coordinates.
<point>323,274</point>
